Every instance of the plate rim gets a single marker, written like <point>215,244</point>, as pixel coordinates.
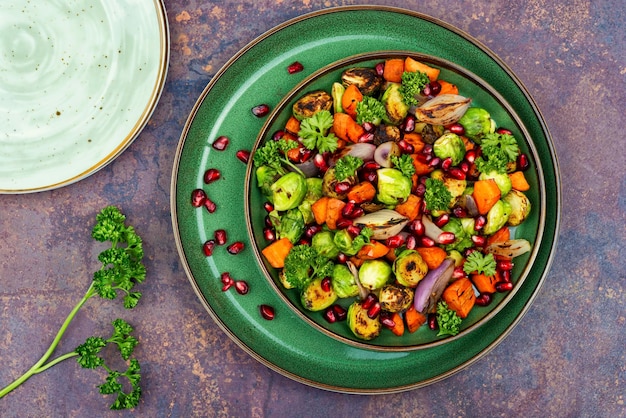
<point>140,124</point>
<point>389,389</point>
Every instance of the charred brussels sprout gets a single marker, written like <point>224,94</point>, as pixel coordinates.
<point>315,298</point>
<point>409,268</point>
<point>387,133</point>
<point>288,191</point>
<point>330,181</point>
<point>450,145</point>
<point>497,217</point>
<point>393,186</point>
<point>311,103</point>
<point>324,244</point>
<point>366,79</point>
<point>313,193</point>
<point>394,104</point>
<point>476,122</point>
<point>456,187</point>
<point>374,274</point>
<point>395,298</point>
<point>430,133</point>
<point>343,282</point>
<point>361,325</point>
<point>520,207</point>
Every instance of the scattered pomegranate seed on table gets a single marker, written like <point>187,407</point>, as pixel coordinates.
<point>211,175</point>
<point>243,155</point>
<point>260,110</point>
<point>267,312</point>
<point>221,143</point>
<point>295,67</point>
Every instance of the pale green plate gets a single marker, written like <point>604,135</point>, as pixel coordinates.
<point>258,74</point>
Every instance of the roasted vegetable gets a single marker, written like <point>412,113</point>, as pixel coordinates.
<point>409,268</point>
<point>366,79</point>
<point>288,191</point>
<point>393,186</point>
<point>311,103</point>
<point>383,223</point>
<point>374,274</point>
<point>343,282</point>
<point>477,123</point>
<point>316,297</point>
<point>361,325</point>
<point>444,109</point>
<point>450,145</point>
<point>520,207</point>
<point>394,104</point>
<point>497,217</point>
<point>394,298</point>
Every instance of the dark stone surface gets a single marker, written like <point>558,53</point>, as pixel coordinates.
<point>565,358</point>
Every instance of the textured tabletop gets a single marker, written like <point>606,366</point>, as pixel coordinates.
<point>565,358</point>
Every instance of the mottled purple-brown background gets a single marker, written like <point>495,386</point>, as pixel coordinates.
<point>565,358</point>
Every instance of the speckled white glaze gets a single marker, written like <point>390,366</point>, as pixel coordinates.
<point>78,81</point>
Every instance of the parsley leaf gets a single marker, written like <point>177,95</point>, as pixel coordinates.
<point>480,263</point>
<point>497,150</point>
<point>314,132</point>
<point>437,196</point>
<point>412,84</point>
<point>370,110</point>
<point>404,163</point>
<point>448,320</point>
<point>272,154</point>
<point>346,166</point>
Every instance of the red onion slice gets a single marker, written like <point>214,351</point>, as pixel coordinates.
<point>431,287</point>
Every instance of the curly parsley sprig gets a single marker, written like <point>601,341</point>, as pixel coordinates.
<point>122,268</point>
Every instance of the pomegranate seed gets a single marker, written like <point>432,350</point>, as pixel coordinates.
<point>417,227</point>
<point>342,187</point>
<point>269,234</point>
<point>208,247</point>
<point>505,275</point>
<point>420,190</point>
<point>221,143</point>
<point>405,147</point>
<point>366,137</point>
<point>370,176</point>
<point>320,162</point>
<point>446,238</point>
<point>268,207</point>
<point>267,312</point>
<point>459,212</point>
<point>268,222</point>
<point>387,322</point>
<point>395,242</point>
<point>342,258</point>
<point>330,316</point>
<point>348,208</point>
<point>353,230</point>
<point>260,110</point>
<point>435,87</point>
<point>380,68</point>
<point>409,124</point>
<point>220,237</point>
<point>441,220</point>
<point>235,247</point>
<point>304,241</point>
<point>311,230</point>
<point>343,223</point>
<point>340,312</point>
<point>522,162</point>
<point>428,149</point>
<point>458,273</point>
<point>457,128</point>
<point>198,197</point>
<point>241,287</point>
<point>432,322</point>
<point>210,205</point>
<point>211,175</point>
<point>326,284</point>
<point>446,163</point>
<point>465,167</point>
<point>470,156</point>
<point>479,240</point>
<point>368,126</point>
<point>371,165</point>
<point>369,300</point>
<point>357,212</point>
<point>434,162</point>
<point>278,135</point>
<point>504,286</point>
<point>457,173</point>
<point>505,265</point>
<point>427,242</point>
<point>483,299</point>
<point>427,90</point>
<point>305,154</point>
<point>480,222</point>
<point>243,155</point>
<point>503,131</point>
<point>411,242</point>
<point>373,311</point>
<point>295,67</point>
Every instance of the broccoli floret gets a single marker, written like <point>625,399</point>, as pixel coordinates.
<point>304,264</point>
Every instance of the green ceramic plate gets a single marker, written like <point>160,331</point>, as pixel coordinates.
<point>258,74</point>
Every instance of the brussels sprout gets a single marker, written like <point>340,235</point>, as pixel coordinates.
<point>393,298</point>
<point>311,103</point>
<point>288,191</point>
<point>366,79</point>
<point>344,242</point>
<point>283,279</point>
<point>456,187</point>
<point>394,104</point>
<point>393,186</point>
<point>520,207</point>
<point>502,180</point>
<point>497,217</point>
<point>289,224</point>
<point>477,122</point>
<point>343,282</point>
<point>463,229</point>
<point>450,145</point>
<point>409,268</point>
<point>315,298</point>
<point>323,243</point>
<point>386,133</point>
<point>266,176</point>
<point>313,194</point>
<point>361,325</point>
<point>430,133</point>
<point>337,91</point>
<point>330,181</point>
<point>458,258</point>
<point>374,274</point>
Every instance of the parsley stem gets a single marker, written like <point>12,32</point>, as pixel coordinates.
<point>41,363</point>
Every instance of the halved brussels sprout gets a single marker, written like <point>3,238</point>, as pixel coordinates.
<point>366,79</point>
<point>456,187</point>
<point>394,104</point>
<point>266,176</point>
<point>374,274</point>
<point>343,282</point>
<point>361,325</point>
<point>497,217</point>
<point>330,181</point>
<point>450,145</point>
<point>520,207</point>
<point>337,91</point>
<point>315,298</point>
<point>409,268</point>
<point>323,243</point>
<point>393,186</point>
<point>288,191</point>
<point>393,298</point>
<point>311,103</point>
